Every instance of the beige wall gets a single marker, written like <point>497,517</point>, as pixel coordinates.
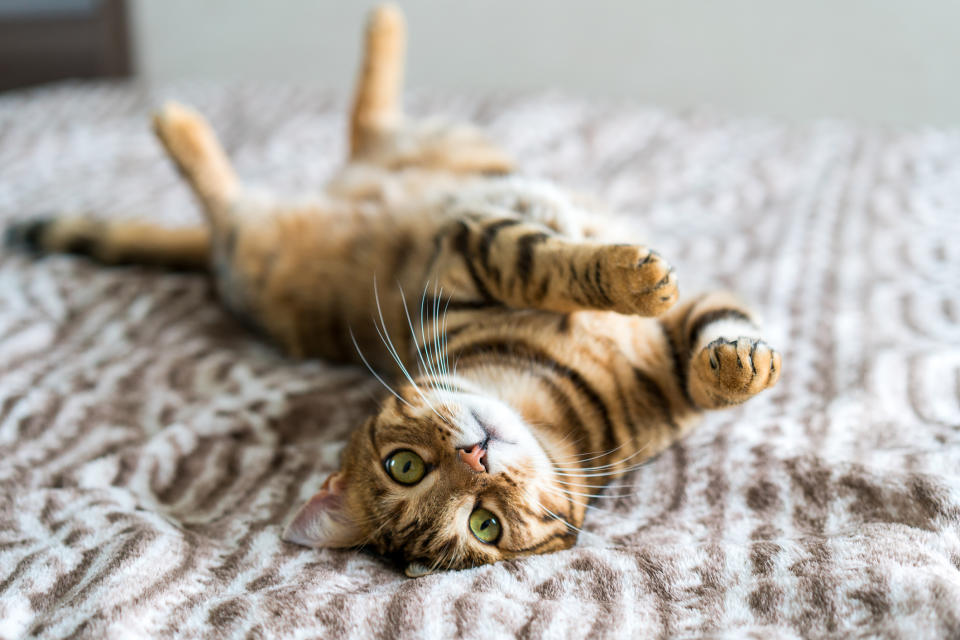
<point>880,60</point>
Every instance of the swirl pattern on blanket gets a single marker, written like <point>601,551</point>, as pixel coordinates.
<point>151,449</point>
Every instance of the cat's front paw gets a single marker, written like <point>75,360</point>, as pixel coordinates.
<point>729,371</point>
<point>645,283</point>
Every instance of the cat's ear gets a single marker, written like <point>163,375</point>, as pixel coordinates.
<point>324,521</point>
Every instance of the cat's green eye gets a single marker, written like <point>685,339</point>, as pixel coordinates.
<point>485,526</point>
<point>405,466</point>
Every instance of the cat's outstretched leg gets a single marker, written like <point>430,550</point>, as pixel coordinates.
<point>721,354</point>
<point>526,266</point>
<point>194,147</point>
<point>377,101</point>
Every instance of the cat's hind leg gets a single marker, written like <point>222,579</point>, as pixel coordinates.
<point>722,356</point>
<point>194,148</point>
<point>377,99</point>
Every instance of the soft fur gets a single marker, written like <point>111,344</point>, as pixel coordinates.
<point>529,359</point>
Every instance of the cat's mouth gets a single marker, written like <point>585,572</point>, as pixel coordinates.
<point>490,433</point>
<point>475,455</point>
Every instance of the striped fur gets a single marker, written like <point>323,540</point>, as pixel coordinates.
<point>502,319</point>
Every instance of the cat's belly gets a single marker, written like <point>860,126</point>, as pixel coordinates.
<point>310,279</point>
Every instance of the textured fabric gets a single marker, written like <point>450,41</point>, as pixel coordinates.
<point>150,449</point>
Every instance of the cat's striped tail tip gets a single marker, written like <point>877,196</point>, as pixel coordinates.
<point>27,235</point>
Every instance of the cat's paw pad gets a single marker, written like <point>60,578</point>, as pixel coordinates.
<point>737,369</point>
<point>647,284</point>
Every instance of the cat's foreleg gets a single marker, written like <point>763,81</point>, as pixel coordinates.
<point>721,353</point>
<point>527,266</point>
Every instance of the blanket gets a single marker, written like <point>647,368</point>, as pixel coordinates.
<point>151,449</point>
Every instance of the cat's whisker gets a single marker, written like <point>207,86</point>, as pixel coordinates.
<point>396,358</point>
<point>604,474</point>
<point>424,367</point>
<point>593,496</point>
<point>435,357</point>
<point>440,335</point>
<point>385,338</point>
<point>446,345</point>
<point>566,494</point>
<point>581,457</point>
<point>540,505</point>
<point>592,486</point>
<point>611,465</point>
<point>563,440</point>
<point>555,516</point>
<point>375,374</point>
<point>426,344</point>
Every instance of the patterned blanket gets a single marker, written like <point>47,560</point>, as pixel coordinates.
<point>150,449</point>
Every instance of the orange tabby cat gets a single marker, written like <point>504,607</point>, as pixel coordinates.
<point>549,360</point>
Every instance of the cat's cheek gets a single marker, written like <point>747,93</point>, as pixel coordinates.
<point>324,520</point>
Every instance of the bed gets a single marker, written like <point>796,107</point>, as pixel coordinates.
<point>151,449</point>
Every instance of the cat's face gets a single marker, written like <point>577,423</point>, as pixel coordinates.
<point>448,480</point>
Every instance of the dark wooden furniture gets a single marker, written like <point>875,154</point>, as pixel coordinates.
<point>58,41</point>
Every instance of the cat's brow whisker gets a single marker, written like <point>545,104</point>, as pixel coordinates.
<point>548,511</point>
<point>575,528</point>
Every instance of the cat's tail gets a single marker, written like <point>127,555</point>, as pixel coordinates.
<point>115,241</point>
<point>377,99</point>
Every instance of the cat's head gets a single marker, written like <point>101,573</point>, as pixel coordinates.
<point>445,480</point>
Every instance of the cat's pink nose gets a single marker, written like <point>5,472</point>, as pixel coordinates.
<point>473,457</point>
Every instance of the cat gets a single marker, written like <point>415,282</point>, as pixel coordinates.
<point>548,359</point>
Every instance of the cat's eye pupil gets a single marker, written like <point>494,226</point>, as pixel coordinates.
<point>405,466</point>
